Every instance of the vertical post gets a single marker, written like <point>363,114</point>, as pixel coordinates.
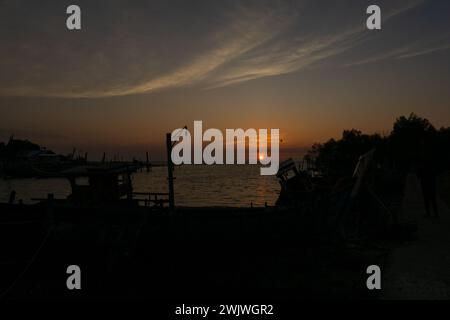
<point>50,214</point>
<point>148,162</point>
<point>170,170</point>
<point>129,185</point>
<point>12,197</point>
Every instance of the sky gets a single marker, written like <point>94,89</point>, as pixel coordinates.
<point>138,69</point>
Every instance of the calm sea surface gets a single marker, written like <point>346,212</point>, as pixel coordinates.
<point>194,186</point>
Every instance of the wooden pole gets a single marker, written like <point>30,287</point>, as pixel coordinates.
<point>12,197</point>
<point>170,171</point>
<point>148,163</point>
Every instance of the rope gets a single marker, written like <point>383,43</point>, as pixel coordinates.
<point>28,266</point>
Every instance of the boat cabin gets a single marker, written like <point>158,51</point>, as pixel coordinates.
<point>104,184</point>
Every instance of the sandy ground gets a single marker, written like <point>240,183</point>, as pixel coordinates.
<point>420,269</point>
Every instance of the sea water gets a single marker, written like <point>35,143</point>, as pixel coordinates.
<point>195,185</point>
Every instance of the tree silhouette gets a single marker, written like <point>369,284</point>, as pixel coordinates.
<point>410,140</point>
<point>338,157</point>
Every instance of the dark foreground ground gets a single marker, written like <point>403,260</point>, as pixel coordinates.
<point>192,254</point>
<point>420,269</point>
<point>259,253</point>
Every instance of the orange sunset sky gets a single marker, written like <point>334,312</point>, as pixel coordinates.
<point>138,70</point>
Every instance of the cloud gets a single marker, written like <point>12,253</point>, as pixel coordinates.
<point>424,51</point>
<point>249,41</point>
<point>406,52</point>
<point>245,29</point>
<point>287,56</point>
<point>252,30</point>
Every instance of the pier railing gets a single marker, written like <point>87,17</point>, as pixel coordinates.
<point>151,199</point>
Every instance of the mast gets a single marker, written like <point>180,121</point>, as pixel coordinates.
<point>170,171</point>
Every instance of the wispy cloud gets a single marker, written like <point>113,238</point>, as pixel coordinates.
<point>253,41</point>
<point>424,51</point>
<point>406,52</point>
<point>245,30</point>
<point>253,29</point>
<point>288,56</point>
